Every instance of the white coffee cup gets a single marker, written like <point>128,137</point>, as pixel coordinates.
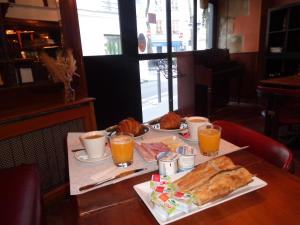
<point>94,143</point>
<point>193,123</point>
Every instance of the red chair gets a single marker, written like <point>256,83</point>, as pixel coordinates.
<point>282,108</point>
<point>20,202</point>
<point>259,144</point>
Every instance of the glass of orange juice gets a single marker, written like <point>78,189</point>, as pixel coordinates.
<point>122,145</point>
<point>209,139</point>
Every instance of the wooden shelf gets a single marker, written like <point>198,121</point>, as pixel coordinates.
<point>277,31</point>
<point>294,29</point>
<point>283,31</point>
<point>288,55</point>
<point>22,40</point>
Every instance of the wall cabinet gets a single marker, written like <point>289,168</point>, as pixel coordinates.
<point>282,44</point>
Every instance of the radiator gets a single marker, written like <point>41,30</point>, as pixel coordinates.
<point>46,147</point>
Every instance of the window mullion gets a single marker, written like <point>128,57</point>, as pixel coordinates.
<point>194,43</point>
<point>169,53</point>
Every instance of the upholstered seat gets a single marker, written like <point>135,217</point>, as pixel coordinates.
<point>259,144</point>
<point>20,202</point>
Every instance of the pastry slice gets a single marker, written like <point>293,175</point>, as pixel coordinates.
<point>221,184</point>
<point>203,172</point>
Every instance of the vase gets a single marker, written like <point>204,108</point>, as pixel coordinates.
<point>69,93</point>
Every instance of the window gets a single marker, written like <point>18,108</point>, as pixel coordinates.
<point>158,85</point>
<point>103,39</point>
<point>182,26</point>
<point>154,30</point>
<point>204,27</point>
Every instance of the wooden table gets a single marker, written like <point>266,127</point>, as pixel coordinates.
<point>277,203</point>
<point>292,82</point>
<point>274,98</point>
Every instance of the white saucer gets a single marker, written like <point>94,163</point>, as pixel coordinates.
<point>184,137</point>
<point>83,157</point>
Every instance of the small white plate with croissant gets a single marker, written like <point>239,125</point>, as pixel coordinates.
<point>170,122</point>
<point>129,125</point>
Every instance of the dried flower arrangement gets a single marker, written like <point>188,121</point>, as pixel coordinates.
<point>62,69</point>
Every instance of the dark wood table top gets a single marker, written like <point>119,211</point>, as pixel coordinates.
<point>277,203</point>
<point>283,82</point>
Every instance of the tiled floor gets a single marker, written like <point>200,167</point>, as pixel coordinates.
<point>248,115</point>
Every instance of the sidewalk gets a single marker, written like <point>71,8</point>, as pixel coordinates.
<point>153,109</point>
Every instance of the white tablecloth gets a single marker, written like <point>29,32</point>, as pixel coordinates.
<point>83,173</point>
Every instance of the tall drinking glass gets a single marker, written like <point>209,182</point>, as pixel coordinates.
<point>209,139</point>
<point>122,145</point>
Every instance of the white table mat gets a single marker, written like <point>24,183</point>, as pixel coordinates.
<point>83,173</point>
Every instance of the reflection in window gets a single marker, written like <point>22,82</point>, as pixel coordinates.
<point>151,22</point>
<point>159,29</point>
<point>112,44</point>
<point>204,27</point>
<point>103,39</point>
<point>174,4</point>
<point>175,27</point>
<point>182,25</point>
<point>154,88</point>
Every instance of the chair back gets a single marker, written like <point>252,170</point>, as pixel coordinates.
<point>259,144</point>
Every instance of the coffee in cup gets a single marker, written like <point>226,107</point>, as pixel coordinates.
<point>193,123</point>
<point>94,143</point>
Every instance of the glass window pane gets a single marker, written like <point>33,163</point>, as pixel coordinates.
<point>151,26</point>
<point>99,27</point>
<point>154,88</point>
<point>204,27</point>
<point>182,25</point>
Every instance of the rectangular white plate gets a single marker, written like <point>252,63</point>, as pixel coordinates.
<point>144,192</point>
<point>155,140</point>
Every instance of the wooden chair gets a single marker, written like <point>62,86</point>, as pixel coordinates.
<point>282,108</point>
<point>259,144</point>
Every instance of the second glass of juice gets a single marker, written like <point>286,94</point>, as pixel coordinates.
<point>209,139</point>
<point>122,146</point>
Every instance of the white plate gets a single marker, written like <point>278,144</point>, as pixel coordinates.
<point>144,192</point>
<point>155,140</point>
<point>83,157</point>
<point>156,126</point>
<point>182,135</point>
<point>112,130</point>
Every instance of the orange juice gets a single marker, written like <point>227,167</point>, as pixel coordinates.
<point>209,140</point>
<point>122,149</point>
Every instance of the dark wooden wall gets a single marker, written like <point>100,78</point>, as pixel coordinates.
<point>251,74</point>
<point>114,82</point>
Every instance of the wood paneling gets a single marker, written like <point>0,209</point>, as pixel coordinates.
<point>71,36</point>
<point>38,136</point>
<point>276,3</point>
<point>114,82</point>
<point>251,74</point>
<point>186,81</point>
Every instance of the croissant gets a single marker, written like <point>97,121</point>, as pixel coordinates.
<point>170,121</point>
<point>130,125</point>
